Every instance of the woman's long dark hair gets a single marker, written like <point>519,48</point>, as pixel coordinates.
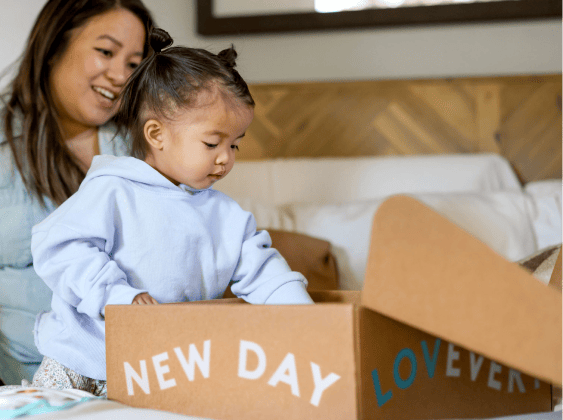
<point>50,170</point>
<point>171,79</point>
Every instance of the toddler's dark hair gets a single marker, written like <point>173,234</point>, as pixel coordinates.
<point>171,79</point>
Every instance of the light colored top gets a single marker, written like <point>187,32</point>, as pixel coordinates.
<point>22,293</point>
<point>129,230</point>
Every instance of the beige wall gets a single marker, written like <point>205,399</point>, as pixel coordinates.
<point>15,24</point>
<point>422,52</point>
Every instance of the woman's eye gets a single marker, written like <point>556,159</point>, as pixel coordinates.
<point>105,52</point>
<point>210,145</point>
<point>133,66</point>
<point>234,147</point>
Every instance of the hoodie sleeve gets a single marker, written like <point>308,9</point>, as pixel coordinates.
<point>263,275</point>
<point>71,251</point>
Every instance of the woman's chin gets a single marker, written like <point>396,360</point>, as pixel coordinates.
<point>101,111</point>
<point>99,116</point>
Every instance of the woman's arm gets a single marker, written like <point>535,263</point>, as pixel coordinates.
<point>22,296</point>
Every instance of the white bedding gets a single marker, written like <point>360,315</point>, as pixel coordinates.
<point>498,219</point>
<point>545,210</point>
<point>335,199</point>
<point>341,180</point>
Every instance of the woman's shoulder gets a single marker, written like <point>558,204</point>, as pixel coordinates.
<point>112,140</point>
<point>16,118</point>
<point>7,163</point>
<point>6,155</point>
<point>8,167</point>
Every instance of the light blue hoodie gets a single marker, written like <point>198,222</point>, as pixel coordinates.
<point>129,230</point>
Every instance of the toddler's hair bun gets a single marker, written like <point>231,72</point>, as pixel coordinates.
<point>159,39</point>
<point>228,57</point>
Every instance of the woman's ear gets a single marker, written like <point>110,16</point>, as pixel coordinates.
<point>153,131</point>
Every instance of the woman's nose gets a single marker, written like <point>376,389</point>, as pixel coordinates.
<point>118,72</point>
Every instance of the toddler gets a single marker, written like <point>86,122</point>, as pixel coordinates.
<point>149,228</point>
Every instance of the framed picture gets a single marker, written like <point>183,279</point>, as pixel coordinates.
<point>223,17</point>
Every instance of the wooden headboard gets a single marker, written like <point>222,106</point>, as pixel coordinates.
<point>518,117</point>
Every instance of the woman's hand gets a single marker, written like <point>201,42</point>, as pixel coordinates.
<point>144,299</point>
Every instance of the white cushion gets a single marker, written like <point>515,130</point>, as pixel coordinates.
<point>339,180</point>
<point>267,216</point>
<point>498,219</point>
<point>545,211</point>
<point>248,180</point>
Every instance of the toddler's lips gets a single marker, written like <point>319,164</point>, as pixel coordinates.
<point>218,175</point>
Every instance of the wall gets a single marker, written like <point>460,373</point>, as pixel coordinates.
<point>423,52</point>
<point>15,25</point>
<point>418,52</point>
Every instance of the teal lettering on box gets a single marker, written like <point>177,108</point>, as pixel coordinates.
<point>431,363</point>
<point>409,354</point>
<point>381,398</point>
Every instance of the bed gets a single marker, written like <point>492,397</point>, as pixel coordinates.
<point>320,158</point>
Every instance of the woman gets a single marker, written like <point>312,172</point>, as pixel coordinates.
<point>55,118</point>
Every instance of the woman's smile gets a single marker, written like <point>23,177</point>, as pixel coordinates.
<point>107,94</point>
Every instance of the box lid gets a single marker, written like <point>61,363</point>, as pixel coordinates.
<point>425,271</point>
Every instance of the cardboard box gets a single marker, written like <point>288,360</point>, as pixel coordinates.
<point>432,335</point>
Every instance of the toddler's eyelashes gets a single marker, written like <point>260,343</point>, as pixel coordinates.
<point>212,146</point>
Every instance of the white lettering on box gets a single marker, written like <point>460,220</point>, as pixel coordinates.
<point>475,365</point>
<point>195,358</point>
<point>452,355</point>
<point>142,381</point>
<point>286,373</point>
<point>245,347</point>
<point>320,383</point>
<point>512,376</point>
<point>493,383</point>
<point>160,370</point>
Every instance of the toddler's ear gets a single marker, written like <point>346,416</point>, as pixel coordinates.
<point>153,131</point>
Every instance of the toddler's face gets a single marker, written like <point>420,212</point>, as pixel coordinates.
<point>200,142</point>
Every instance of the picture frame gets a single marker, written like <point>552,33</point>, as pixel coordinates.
<point>210,25</point>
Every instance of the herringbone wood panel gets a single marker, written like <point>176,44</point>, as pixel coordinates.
<point>518,117</point>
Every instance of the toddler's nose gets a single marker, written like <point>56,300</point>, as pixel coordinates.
<point>222,157</point>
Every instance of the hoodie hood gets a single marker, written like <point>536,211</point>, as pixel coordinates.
<point>134,170</point>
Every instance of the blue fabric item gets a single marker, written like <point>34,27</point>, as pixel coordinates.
<point>130,230</point>
<point>22,293</point>
<point>40,407</point>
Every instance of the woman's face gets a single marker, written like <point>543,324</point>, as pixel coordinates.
<point>89,75</point>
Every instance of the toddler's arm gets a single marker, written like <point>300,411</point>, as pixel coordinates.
<point>71,252</point>
<point>263,275</point>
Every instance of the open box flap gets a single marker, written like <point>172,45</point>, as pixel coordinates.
<point>426,272</point>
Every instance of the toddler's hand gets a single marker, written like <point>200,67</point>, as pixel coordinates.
<point>144,299</point>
